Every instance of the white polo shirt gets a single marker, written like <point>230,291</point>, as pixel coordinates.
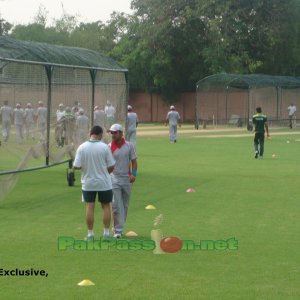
<point>94,157</point>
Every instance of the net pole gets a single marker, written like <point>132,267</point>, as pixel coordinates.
<point>49,70</point>
<point>93,74</point>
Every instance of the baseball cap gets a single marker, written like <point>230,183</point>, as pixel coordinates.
<point>116,127</point>
<point>172,107</point>
<point>129,107</point>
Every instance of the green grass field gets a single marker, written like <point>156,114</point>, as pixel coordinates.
<point>255,201</point>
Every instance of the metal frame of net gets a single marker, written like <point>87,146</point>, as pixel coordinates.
<point>35,75</point>
<point>227,99</point>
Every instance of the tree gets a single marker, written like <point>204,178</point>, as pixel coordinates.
<point>41,17</point>
<point>5,27</point>
<point>157,36</point>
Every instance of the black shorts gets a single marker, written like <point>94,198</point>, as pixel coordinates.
<point>103,196</point>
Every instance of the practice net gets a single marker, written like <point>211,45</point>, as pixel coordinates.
<point>50,96</point>
<point>231,99</point>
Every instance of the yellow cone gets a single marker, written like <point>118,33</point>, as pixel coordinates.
<point>131,234</point>
<point>150,206</point>
<point>86,282</point>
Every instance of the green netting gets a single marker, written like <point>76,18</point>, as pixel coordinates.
<point>34,73</point>
<point>232,98</point>
<point>52,54</point>
<point>247,81</point>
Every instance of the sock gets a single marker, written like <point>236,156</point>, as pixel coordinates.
<point>90,232</point>
<point>106,231</point>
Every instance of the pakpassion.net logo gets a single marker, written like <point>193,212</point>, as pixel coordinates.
<point>169,244</point>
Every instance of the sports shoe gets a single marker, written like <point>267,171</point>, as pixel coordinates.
<point>256,154</point>
<point>89,238</point>
<point>106,236</point>
<point>117,235</point>
<point>261,157</point>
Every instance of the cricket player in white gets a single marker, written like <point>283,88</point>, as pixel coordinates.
<point>292,116</point>
<point>132,123</point>
<point>69,125</point>
<point>123,176</point>
<point>29,120</point>
<point>82,127</point>
<point>41,114</point>
<point>95,160</point>
<point>99,117</point>
<point>59,126</point>
<point>109,111</point>
<point>19,122</point>
<point>6,113</point>
<point>173,119</point>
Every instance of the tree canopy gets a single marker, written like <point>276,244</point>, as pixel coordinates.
<point>168,45</point>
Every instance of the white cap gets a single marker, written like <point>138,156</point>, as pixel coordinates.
<point>61,105</point>
<point>129,107</point>
<point>116,127</point>
<point>172,107</point>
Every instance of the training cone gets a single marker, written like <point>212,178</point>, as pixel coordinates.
<point>150,206</point>
<point>131,234</point>
<point>86,282</point>
<point>190,190</point>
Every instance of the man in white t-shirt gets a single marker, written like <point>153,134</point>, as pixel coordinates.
<point>99,116</point>
<point>82,127</point>
<point>109,111</point>
<point>59,126</point>
<point>173,119</point>
<point>96,162</point>
<point>29,120</point>
<point>123,176</point>
<point>42,114</point>
<point>132,123</point>
<point>19,122</point>
<point>6,113</point>
<point>292,116</point>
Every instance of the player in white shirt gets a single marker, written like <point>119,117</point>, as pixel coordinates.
<point>69,125</point>
<point>99,117</point>
<point>29,120</point>
<point>41,114</point>
<point>123,176</point>
<point>173,119</point>
<point>82,127</point>
<point>6,113</point>
<point>59,128</point>
<point>95,160</point>
<point>132,123</point>
<point>109,111</point>
<point>292,116</point>
<point>19,123</point>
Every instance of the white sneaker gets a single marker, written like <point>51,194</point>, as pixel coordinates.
<point>117,235</point>
<point>89,238</point>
